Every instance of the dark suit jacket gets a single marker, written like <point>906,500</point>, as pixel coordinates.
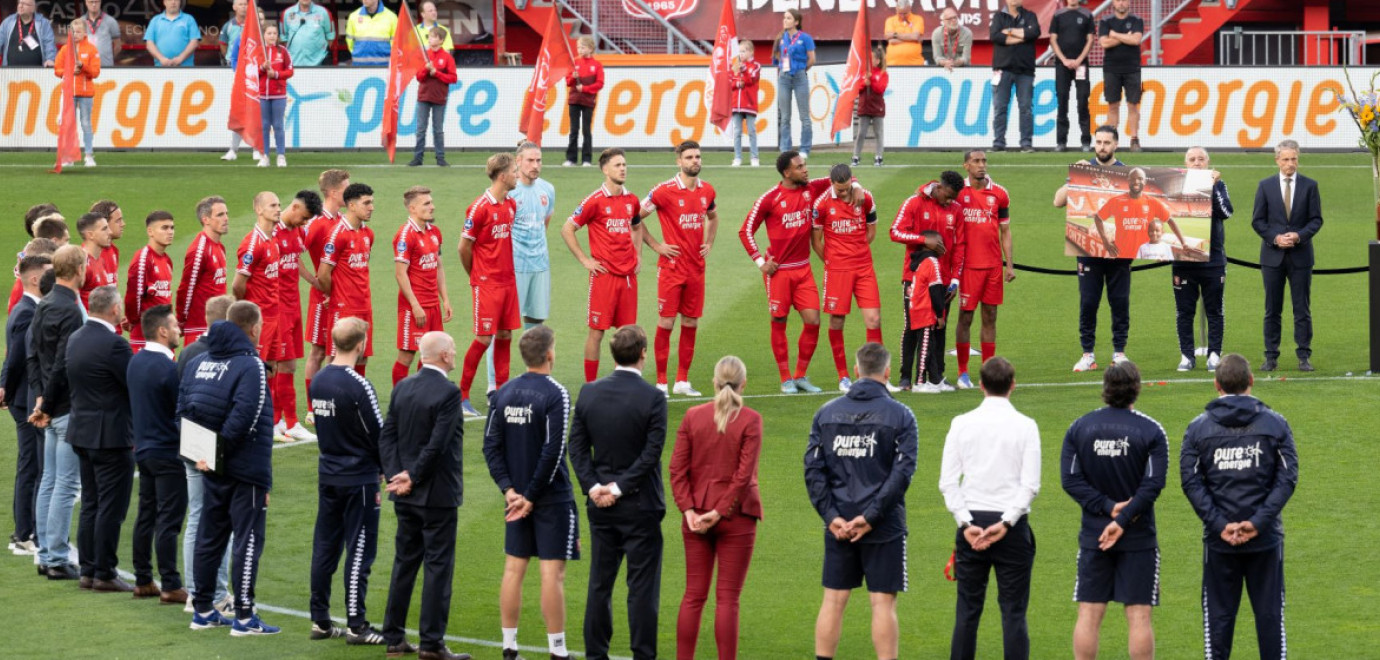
<point>1305,218</point>
<point>55,319</point>
<point>718,471</point>
<point>424,435</point>
<point>616,436</point>
<point>14,376</point>
<point>97,362</point>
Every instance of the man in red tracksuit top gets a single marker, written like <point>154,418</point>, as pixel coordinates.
<point>932,207</point>
<point>433,86</point>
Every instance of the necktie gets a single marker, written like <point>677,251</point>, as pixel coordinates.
<point>1288,195</point>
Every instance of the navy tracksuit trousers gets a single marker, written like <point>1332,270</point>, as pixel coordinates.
<point>347,518</point>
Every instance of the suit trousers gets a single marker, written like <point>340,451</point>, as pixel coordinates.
<point>1263,573</point>
<point>107,481</point>
<point>28,469</point>
<point>1300,282</point>
<point>613,536</point>
<point>347,518</point>
<point>229,506</point>
<point>1188,284</point>
<point>1011,558</point>
<point>729,545</point>
<point>425,538</point>
<point>1064,78</point>
<point>162,506</point>
<point>1093,274</point>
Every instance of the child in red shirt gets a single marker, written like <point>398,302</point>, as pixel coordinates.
<point>433,88</point>
<point>273,92</point>
<point>744,73</point>
<point>872,106</point>
<point>926,316</point>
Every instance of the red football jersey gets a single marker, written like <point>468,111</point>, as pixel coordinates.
<point>922,312</point>
<point>845,230</point>
<point>347,250</point>
<point>95,277</point>
<point>786,213</point>
<point>290,245</point>
<point>489,223</point>
<point>682,213</point>
<point>1133,218</point>
<point>258,260</point>
<point>110,261</point>
<point>610,219</point>
<point>418,245</point>
<point>203,278</point>
<point>985,211</point>
<point>315,234</point>
<point>149,283</point>
<point>919,213</point>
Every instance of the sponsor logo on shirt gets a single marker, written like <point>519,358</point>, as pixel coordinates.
<point>1112,448</point>
<point>209,370</point>
<point>517,414</point>
<point>1238,458</point>
<point>323,407</point>
<point>855,446</point>
<point>793,220</point>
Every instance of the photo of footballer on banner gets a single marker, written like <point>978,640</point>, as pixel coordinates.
<point>1149,213</point>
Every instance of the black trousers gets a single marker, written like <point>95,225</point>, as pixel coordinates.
<point>28,469</point>
<point>1011,558</point>
<point>1093,274</point>
<point>1210,283</point>
<point>1263,574</point>
<point>347,519</point>
<point>228,506</point>
<point>107,480</point>
<point>162,506</point>
<point>426,537</point>
<point>613,536</point>
<point>581,120</point>
<point>930,353</point>
<point>909,338</point>
<point>1300,282</point>
<point>1063,79</point>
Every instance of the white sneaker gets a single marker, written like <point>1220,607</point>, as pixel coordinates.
<point>280,428</point>
<point>892,388</point>
<point>682,387</point>
<point>756,163</point>
<point>229,155</point>
<point>926,388</point>
<point>737,162</point>
<point>263,162</point>
<point>1185,363</point>
<point>944,386</point>
<point>845,384</point>
<point>586,164</point>
<point>226,606</point>
<point>1212,361</point>
<point>804,156</point>
<point>23,548</point>
<point>188,607</point>
<point>1085,363</point>
<point>1200,351</point>
<point>89,162</point>
<point>257,155</point>
<point>1118,358</point>
<point>568,163</point>
<point>282,161</point>
<point>661,387</point>
<point>299,432</point>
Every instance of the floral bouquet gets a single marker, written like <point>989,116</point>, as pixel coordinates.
<point>1365,111</point>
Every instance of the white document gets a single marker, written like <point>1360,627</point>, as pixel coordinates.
<point>1198,181</point>
<point>1081,73</point>
<point>198,443</point>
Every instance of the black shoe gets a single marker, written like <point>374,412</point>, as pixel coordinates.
<point>511,654</point>
<point>328,631</point>
<point>877,162</point>
<point>1061,148</point>
<point>1087,148</point>
<point>42,571</point>
<point>855,162</point>
<point>115,585</point>
<point>1305,365</point>
<point>1027,149</point>
<point>904,384</point>
<point>1270,364</point>
<point>84,583</point>
<point>63,572</point>
<point>1135,145</point>
<point>415,162</point>
<point>998,147</point>
<point>364,635</point>
<point>400,649</point>
<point>441,162</point>
<point>442,653</point>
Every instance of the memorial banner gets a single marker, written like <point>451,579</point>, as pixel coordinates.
<point>1150,213</point>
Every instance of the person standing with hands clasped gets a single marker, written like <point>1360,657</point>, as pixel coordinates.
<point>1071,37</point>
<point>582,88</point>
<point>714,480</point>
<point>794,54</point>
<point>1113,466</point>
<point>744,75</point>
<point>1288,213</point>
<point>86,68</point>
<point>1014,31</point>
<point>858,466</point>
<point>273,92</point>
<point>433,87</point>
<point>872,107</point>
<point>989,476</point>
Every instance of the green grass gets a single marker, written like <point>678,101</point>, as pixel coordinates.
<point>1332,565</point>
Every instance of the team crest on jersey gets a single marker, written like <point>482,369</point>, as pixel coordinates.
<point>368,242</point>
<point>927,215</point>
<point>487,326</point>
<point>681,202</point>
<point>783,203</point>
<point>543,199</point>
<point>704,202</point>
<point>627,208</point>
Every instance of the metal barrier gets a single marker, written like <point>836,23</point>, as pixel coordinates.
<point>1291,48</point>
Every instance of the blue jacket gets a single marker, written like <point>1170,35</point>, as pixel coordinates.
<point>861,458</point>
<point>347,427</point>
<point>1239,463</point>
<point>1113,455</point>
<point>1217,253</point>
<point>525,441</point>
<point>226,390</point>
<point>46,42</point>
<point>152,381</point>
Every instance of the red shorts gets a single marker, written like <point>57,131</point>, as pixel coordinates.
<point>410,332</point>
<point>841,286</point>
<point>980,285</point>
<point>495,308</point>
<point>793,288</point>
<point>290,324</point>
<point>189,337</point>
<point>679,293</point>
<point>329,318</point>
<point>319,331</point>
<point>271,345</point>
<point>612,301</point>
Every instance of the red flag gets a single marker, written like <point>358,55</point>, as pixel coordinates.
<point>553,63</point>
<point>68,149</point>
<point>859,69</point>
<point>404,61</point>
<point>718,97</point>
<point>245,117</point>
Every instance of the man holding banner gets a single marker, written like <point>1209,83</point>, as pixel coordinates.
<point>1094,272</point>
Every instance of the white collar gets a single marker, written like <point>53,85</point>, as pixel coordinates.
<point>32,297</point>
<point>103,322</point>
<point>634,370</point>
<point>158,348</point>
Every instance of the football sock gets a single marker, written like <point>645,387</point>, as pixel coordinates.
<point>961,352</point>
<point>489,364</point>
<point>809,338</point>
<point>662,350</point>
<point>359,369</point>
<point>687,353</point>
<point>288,388</point>
<point>591,370</point>
<point>836,345</point>
<point>308,386</point>
<point>472,358</point>
<point>780,349</point>
<point>510,638</point>
<point>399,372</point>
<point>502,357</point>
<point>874,335</point>
<point>989,348</point>
<point>556,643</point>
<point>275,394</point>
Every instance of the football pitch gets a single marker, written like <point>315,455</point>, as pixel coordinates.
<point>1332,559</point>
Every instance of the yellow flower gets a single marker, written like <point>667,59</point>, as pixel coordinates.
<point>1367,114</point>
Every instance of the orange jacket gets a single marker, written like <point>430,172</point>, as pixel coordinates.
<point>88,67</point>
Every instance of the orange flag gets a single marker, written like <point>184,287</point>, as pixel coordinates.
<point>245,117</point>
<point>404,61</point>
<point>68,149</point>
<point>859,69</point>
<point>718,97</point>
<point>553,63</point>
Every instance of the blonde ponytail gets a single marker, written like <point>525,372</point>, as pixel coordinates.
<point>729,375</point>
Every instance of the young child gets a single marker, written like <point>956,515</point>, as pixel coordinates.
<point>926,316</point>
<point>88,67</point>
<point>1155,248</point>
<point>433,88</point>
<point>273,93</point>
<point>744,72</point>
<point>872,106</point>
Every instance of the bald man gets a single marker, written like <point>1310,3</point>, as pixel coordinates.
<point>256,275</point>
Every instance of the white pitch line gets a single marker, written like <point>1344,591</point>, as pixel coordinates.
<point>998,166</point>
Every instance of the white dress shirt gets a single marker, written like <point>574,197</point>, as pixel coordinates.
<point>1294,190</point>
<point>160,349</point>
<point>991,462</point>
